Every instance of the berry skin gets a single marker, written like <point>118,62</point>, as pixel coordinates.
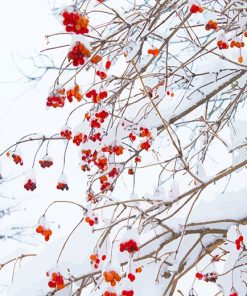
<point>138,270</point>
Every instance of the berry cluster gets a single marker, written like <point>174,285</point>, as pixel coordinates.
<point>211,25</point>
<point>222,44</point>
<point>95,137</point>
<point>112,277</point>
<point>113,173</point>
<point>46,232</point>
<point>56,281</point>
<point>194,8</point>
<point>99,118</point>
<point>105,184</point>
<point>79,138</point>
<point>96,261</point>
<point>75,22</point>
<point>92,221</point>
<point>145,145</point>
<point>88,157</point>
<point>102,75</point>
<point>207,277</point>
<point>239,242</point>
<point>78,53</point>
<point>129,246</point>
<point>236,43</point>
<point>96,97</point>
<point>66,133</point>
<point>30,185</point>
<point>153,51</point>
<point>46,162</point>
<point>144,132</point>
<point>56,99</point>
<point>74,92</point>
<point>62,183</point>
<point>16,157</point>
<point>117,149</point>
<point>62,186</point>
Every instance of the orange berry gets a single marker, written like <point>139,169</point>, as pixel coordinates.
<point>54,276</point>
<point>93,257</point>
<point>96,59</point>
<point>39,229</point>
<point>130,171</point>
<point>87,219</point>
<point>60,286</point>
<point>240,59</point>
